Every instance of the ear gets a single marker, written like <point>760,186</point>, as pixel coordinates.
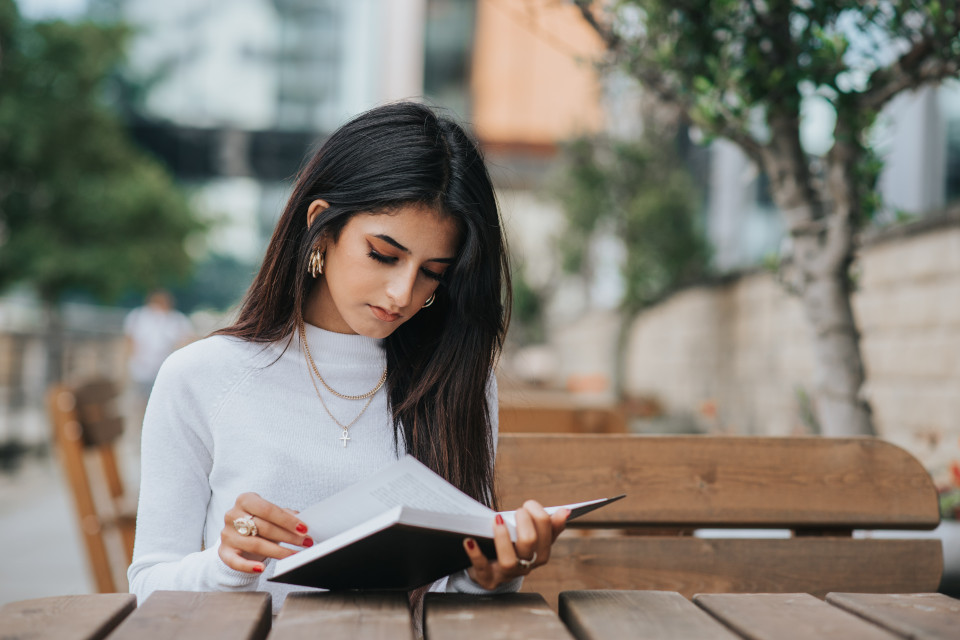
<point>315,208</point>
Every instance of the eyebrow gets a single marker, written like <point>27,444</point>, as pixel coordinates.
<point>396,244</point>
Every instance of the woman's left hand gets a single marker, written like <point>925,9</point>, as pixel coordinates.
<point>536,532</point>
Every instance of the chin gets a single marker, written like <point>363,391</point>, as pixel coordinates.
<point>378,330</point>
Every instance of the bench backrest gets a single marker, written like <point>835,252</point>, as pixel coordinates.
<point>550,419</point>
<point>819,488</point>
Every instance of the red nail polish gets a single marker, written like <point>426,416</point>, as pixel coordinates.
<point>471,544</point>
<point>258,568</point>
<point>499,519</point>
<point>301,528</point>
<point>308,542</point>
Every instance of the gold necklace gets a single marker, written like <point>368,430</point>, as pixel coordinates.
<point>313,365</point>
<point>345,437</point>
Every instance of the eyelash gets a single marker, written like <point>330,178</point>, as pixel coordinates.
<point>379,257</point>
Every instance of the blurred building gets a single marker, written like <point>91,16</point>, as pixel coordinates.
<point>235,94</point>
<point>534,86</point>
<point>241,91</point>
<point>533,81</point>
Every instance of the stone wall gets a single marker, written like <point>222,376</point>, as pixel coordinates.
<point>736,356</point>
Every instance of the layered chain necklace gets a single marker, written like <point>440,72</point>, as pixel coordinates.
<point>368,396</point>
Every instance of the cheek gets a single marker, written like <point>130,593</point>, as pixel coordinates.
<point>352,277</point>
<point>344,288</point>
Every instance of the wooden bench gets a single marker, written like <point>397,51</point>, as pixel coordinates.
<point>552,419</point>
<point>820,489</point>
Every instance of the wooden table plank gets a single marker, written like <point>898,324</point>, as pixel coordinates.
<point>353,615</point>
<point>87,617</point>
<point>640,615</point>
<point>186,615</point>
<point>511,616</point>
<point>787,616</point>
<point>930,616</point>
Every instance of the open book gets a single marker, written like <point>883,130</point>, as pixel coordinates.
<point>399,529</point>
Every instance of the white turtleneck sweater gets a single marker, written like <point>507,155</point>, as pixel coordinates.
<point>228,416</point>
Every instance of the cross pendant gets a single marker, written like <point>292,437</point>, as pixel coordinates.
<point>344,438</point>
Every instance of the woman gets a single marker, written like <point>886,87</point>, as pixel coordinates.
<point>370,331</point>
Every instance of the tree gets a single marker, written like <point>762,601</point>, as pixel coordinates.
<point>639,192</point>
<point>740,69</point>
<point>81,208</point>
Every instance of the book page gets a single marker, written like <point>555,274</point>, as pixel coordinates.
<point>404,483</point>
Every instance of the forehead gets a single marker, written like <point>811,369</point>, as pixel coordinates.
<point>419,228</point>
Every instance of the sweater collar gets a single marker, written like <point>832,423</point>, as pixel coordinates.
<point>337,348</point>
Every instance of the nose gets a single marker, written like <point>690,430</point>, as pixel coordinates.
<point>400,288</point>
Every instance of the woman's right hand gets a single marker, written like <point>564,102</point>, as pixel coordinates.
<point>274,525</point>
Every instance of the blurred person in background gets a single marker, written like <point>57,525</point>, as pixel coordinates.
<point>152,332</point>
<point>375,320</point>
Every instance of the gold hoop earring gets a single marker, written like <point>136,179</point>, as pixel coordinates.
<point>429,301</point>
<point>316,263</point>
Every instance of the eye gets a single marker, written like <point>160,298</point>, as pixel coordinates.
<point>379,257</point>
<point>433,275</point>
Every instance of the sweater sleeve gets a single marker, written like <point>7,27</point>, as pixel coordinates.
<point>460,582</point>
<point>176,460</point>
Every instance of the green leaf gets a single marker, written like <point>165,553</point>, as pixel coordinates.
<point>81,207</point>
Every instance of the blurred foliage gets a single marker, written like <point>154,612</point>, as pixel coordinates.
<point>740,69</point>
<point>81,207</point>
<point>950,493</point>
<point>527,322</point>
<point>641,193</point>
<point>950,503</point>
<point>807,411</point>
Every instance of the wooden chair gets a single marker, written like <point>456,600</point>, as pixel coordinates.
<point>821,489</point>
<point>86,424</point>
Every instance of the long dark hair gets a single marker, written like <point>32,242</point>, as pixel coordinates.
<point>439,362</point>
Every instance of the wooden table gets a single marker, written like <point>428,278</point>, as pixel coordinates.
<point>583,614</point>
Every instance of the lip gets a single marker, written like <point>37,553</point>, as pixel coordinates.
<point>384,315</point>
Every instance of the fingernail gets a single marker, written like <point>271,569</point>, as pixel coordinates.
<point>566,513</point>
<point>308,542</point>
<point>258,568</point>
<point>499,519</point>
<point>301,528</point>
<point>471,544</point>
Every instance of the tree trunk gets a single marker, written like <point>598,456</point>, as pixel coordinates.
<point>620,360</point>
<point>822,252</point>
<point>839,364</point>
<point>838,367</point>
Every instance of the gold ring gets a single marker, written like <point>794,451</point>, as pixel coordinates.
<point>245,526</point>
